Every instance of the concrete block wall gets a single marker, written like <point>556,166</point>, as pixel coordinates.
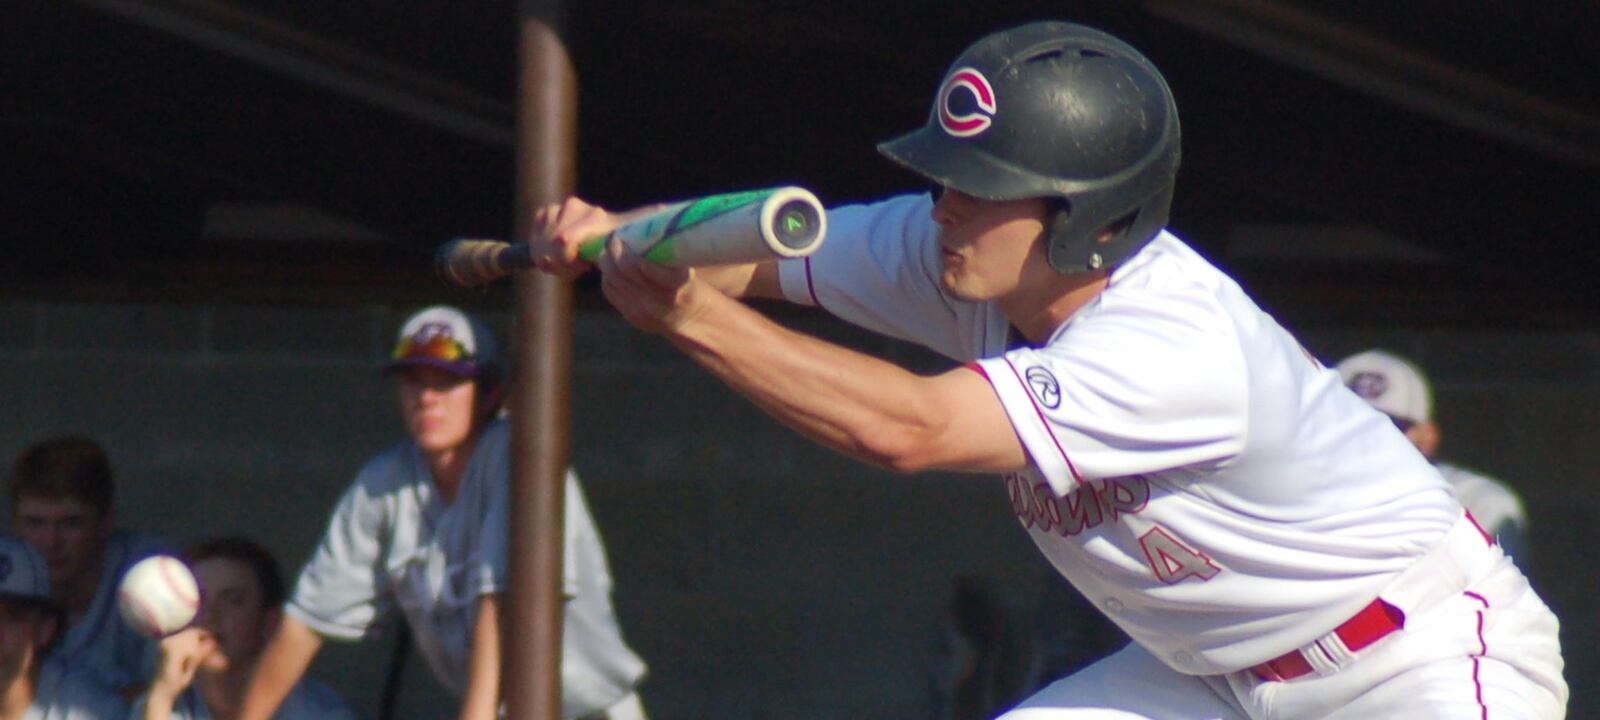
<point>760,576</point>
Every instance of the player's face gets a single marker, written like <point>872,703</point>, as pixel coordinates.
<point>439,407</point>
<point>23,630</point>
<point>233,612</point>
<point>988,248</point>
<point>69,533</point>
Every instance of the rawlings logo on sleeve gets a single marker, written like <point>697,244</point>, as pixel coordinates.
<point>1044,387</point>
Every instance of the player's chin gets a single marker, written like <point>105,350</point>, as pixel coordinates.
<point>439,439</point>
<point>955,284</point>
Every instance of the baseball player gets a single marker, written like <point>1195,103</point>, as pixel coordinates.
<point>424,530</point>
<point>61,493</point>
<point>1273,545</point>
<point>203,670</point>
<point>30,620</point>
<point>1395,386</point>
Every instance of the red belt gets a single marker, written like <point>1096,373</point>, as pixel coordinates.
<point>1374,621</point>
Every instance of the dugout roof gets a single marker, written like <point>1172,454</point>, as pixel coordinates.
<point>1370,160</point>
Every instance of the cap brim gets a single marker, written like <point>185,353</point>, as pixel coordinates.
<point>952,163</point>
<point>466,369</point>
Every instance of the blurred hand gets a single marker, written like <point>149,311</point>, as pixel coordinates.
<point>180,656</point>
<point>560,230</point>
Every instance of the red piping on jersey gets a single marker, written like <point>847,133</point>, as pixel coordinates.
<point>811,287</point>
<point>1483,649</point>
<point>1040,412</point>
<point>1485,533</point>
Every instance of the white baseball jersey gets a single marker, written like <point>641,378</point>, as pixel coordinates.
<point>1196,474</point>
<point>309,700</point>
<point>393,542</point>
<point>101,646</point>
<point>64,696</point>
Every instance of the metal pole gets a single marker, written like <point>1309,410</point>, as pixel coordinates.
<point>540,404</point>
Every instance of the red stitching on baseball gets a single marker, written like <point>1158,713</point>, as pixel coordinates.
<point>179,589</point>
<point>151,620</point>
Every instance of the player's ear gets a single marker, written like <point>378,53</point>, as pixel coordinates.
<point>489,401</point>
<point>271,618</point>
<point>45,630</point>
<point>107,523</point>
<point>1425,435</point>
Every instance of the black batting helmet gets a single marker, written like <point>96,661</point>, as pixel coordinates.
<point>1056,110</point>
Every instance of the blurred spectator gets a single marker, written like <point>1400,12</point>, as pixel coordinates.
<point>1397,387</point>
<point>30,620</point>
<point>61,503</point>
<point>424,530</point>
<point>204,670</point>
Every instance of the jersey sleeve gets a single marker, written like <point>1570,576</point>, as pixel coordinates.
<point>342,591</point>
<point>1138,386</point>
<point>879,268</point>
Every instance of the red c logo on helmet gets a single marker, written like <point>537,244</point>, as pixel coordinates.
<point>971,123</point>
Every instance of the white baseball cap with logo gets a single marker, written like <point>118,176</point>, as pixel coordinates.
<point>1389,383</point>
<point>23,573</point>
<point>451,340</point>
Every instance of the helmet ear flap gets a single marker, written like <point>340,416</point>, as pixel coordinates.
<point>1072,250</point>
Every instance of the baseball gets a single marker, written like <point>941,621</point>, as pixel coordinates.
<point>159,596</point>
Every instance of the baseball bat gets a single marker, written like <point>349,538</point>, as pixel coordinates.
<point>724,229</point>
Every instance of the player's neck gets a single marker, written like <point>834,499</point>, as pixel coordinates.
<point>1038,311</point>
<point>77,596</point>
<point>450,466</point>
<point>223,692</point>
<point>19,694</point>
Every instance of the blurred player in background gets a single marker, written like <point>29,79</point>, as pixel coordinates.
<point>30,620</point>
<point>424,529</point>
<point>1272,545</point>
<point>1397,387</point>
<point>62,497</point>
<point>203,670</point>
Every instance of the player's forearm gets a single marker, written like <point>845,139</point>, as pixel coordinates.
<point>281,665</point>
<point>861,406</point>
<point>482,699</point>
<point>158,706</point>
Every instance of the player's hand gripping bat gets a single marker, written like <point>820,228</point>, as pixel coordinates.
<point>723,229</point>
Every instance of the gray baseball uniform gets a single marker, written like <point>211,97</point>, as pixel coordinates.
<point>1495,506</point>
<point>100,646</point>
<point>393,542</point>
<point>309,700</point>
<point>63,696</point>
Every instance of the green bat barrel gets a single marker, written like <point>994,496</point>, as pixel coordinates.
<point>727,229</point>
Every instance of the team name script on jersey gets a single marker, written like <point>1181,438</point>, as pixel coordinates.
<point>1092,503</point>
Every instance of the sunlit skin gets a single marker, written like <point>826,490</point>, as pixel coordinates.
<point>994,250</point>
<point>71,535</point>
<point>440,413</point>
<point>24,629</point>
